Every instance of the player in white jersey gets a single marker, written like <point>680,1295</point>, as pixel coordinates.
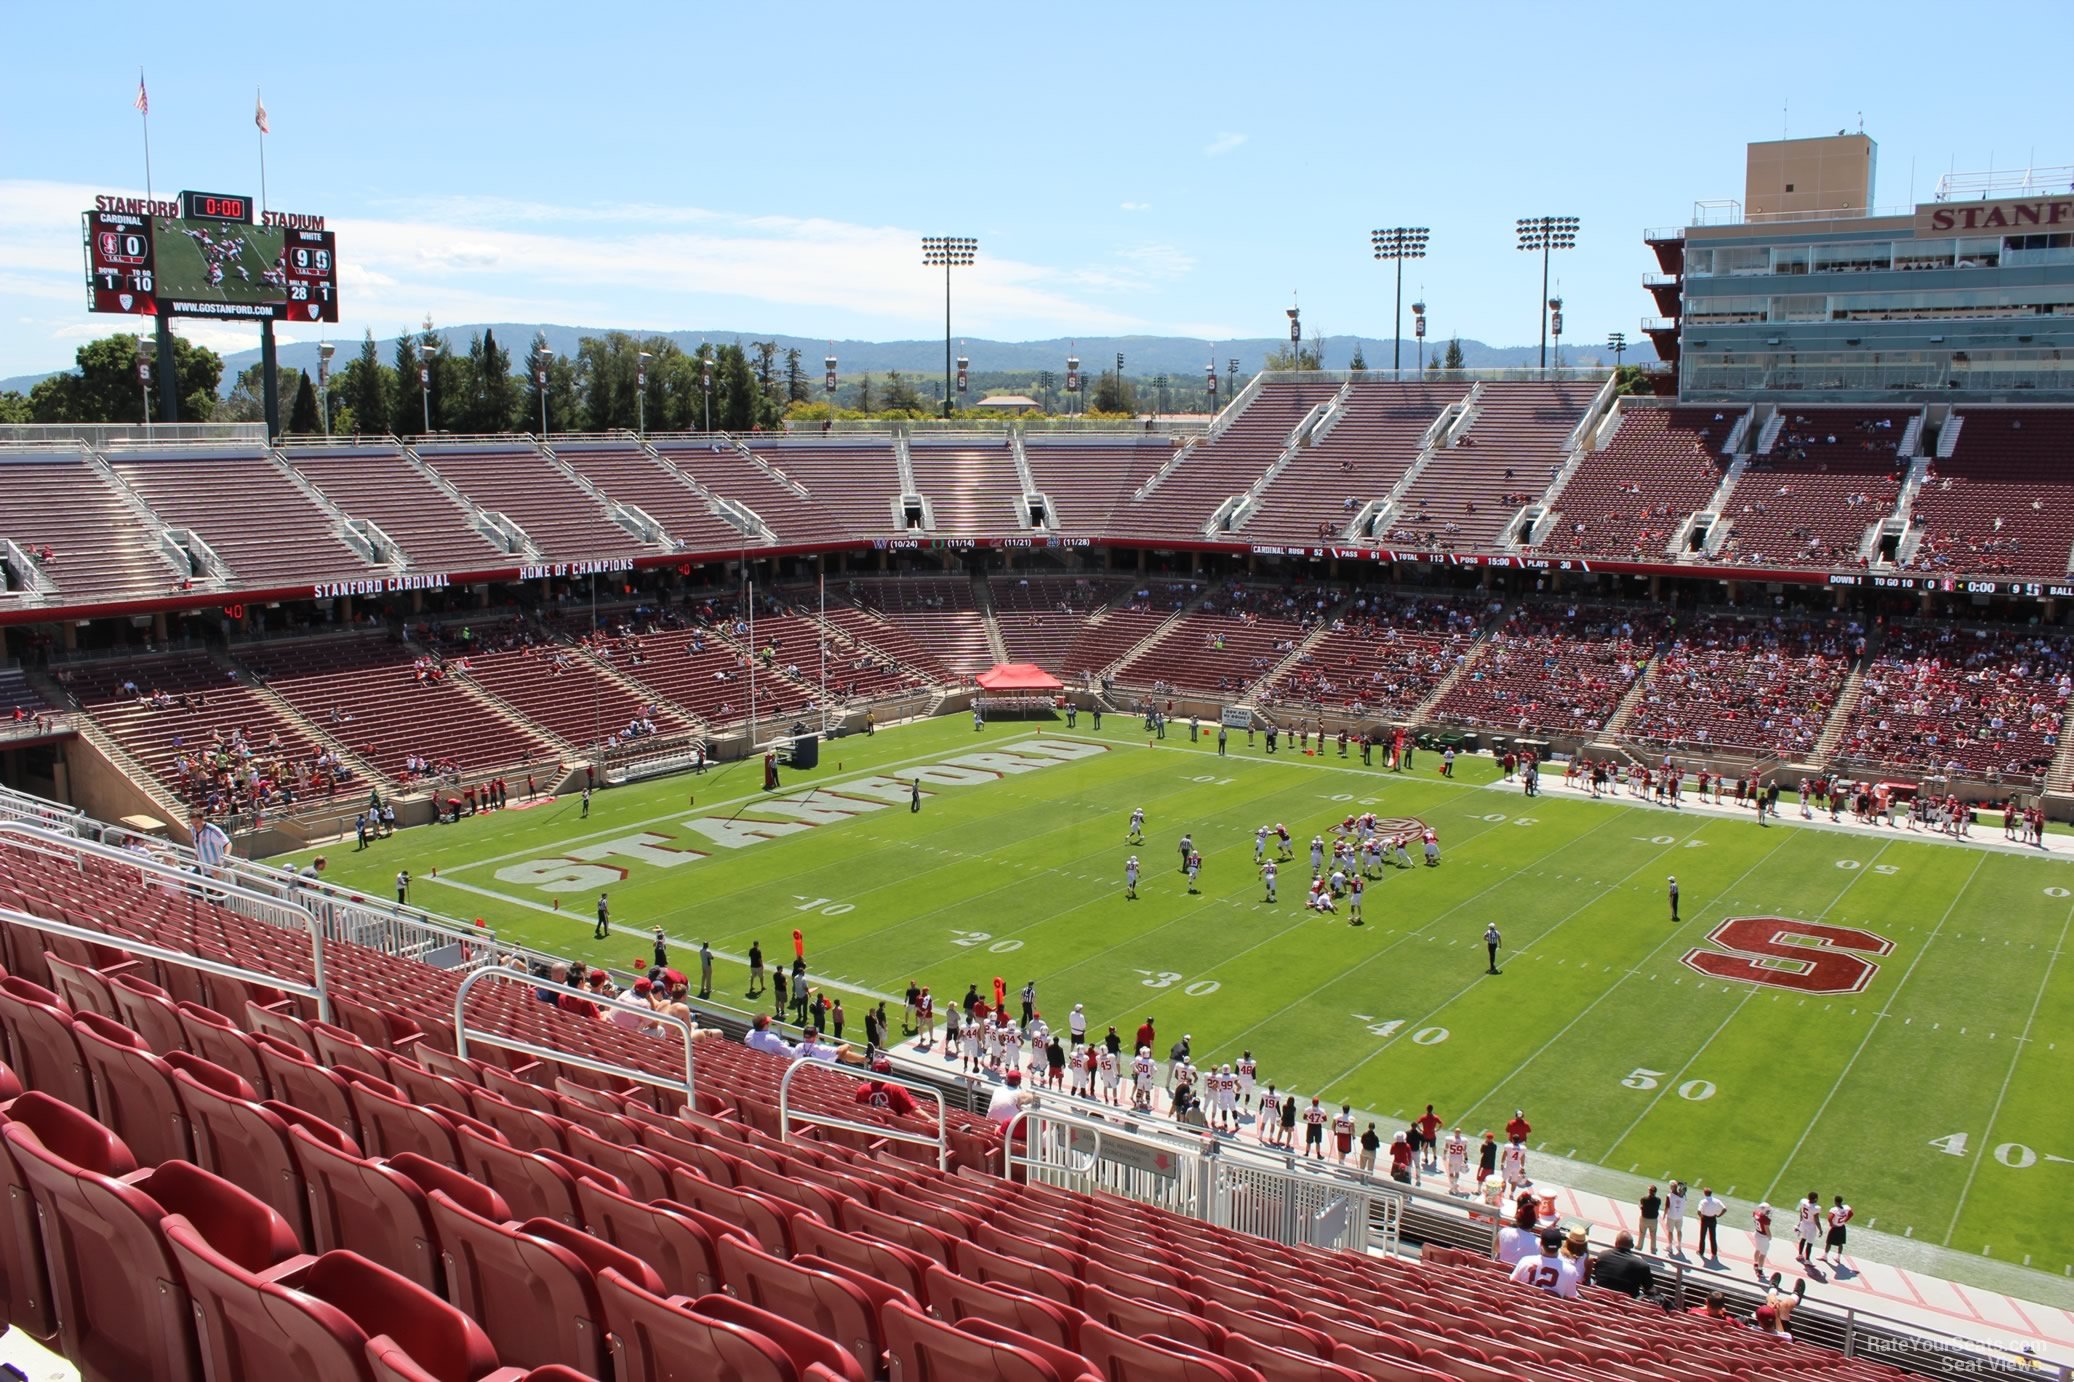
<point>968,1048</point>
<point>1130,877</point>
<point>1808,1228</point>
<point>1244,1071</point>
<point>1839,1216</point>
<point>1180,1075</point>
<point>1432,849</point>
<point>1080,1065</point>
<point>1355,887</point>
<point>1105,1061</point>
<point>1227,1088</point>
<point>1317,855</point>
<point>1338,883</point>
<point>1457,1153</point>
<point>1143,1073</point>
<point>1137,835</point>
<point>1674,1219</point>
<point>1512,1166</point>
<point>1011,1047</point>
<point>1260,845</point>
<point>1267,876</point>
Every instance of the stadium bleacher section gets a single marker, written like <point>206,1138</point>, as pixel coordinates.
<point>1213,470</point>
<point>628,474</point>
<point>2001,501</point>
<point>1383,656</point>
<point>561,520</point>
<point>1830,476</point>
<point>1039,616</point>
<point>381,485</point>
<point>973,488</point>
<point>938,611</point>
<point>1086,477</point>
<point>854,482</point>
<point>1764,685</point>
<point>273,535</point>
<point>1235,638</point>
<point>1629,498</point>
<point>1468,495</point>
<point>1367,451</point>
<point>1973,702</point>
<point>1555,669</point>
<point>70,519</point>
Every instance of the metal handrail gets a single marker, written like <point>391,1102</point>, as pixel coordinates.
<point>267,911</point>
<point>147,950</point>
<point>786,1114</point>
<point>462,1033</point>
<point>24,806</point>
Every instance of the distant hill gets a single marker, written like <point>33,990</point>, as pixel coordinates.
<point>1180,357</point>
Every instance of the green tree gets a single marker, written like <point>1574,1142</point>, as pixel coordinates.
<point>488,397</point>
<point>1359,362</point>
<point>247,400</point>
<point>14,407</point>
<point>900,395</point>
<point>795,378</point>
<point>105,387</point>
<point>764,360</point>
<point>366,385</point>
<point>406,407</point>
<point>864,394</point>
<point>1454,354</point>
<point>1303,357</point>
<point>737,402</point>
<point>303,418</point>
<point>1114,394</point>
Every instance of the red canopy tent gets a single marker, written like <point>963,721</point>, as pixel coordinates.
<point>1018,676</point>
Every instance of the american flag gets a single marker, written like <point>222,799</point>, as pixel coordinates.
<point>143,101</point>
<point>259,113</point>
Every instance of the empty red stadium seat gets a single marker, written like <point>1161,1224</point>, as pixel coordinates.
<point>1127,1357</point>
<point>659,1340</point>
<point>134,1090</point>
<point>679,1243</point>
<point>25,1292</point>
<point>821,1302</point>
<point>215,1038</point>
<point>922,1349</point>
<point>40,1047</point>
<point>147,1010</point>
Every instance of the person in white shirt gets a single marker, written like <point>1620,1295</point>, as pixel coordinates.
<point>762,1038</point>
<point>1519,1240</point>
<point>1143,1075</point>
<point>1839,1216</point>
<point>1512,1165</point>
<point>1009,1099</point>
<point>1549,1270</point>
<point>1245,1069</point>
<point>1105,1061</point>
<point>1130,877</point>
<point>1711,1208</point>
<point>811,1047</point>
<point>1809,1227</point>
<point>1076,1025</point>
<point>1457,1161</point>
<point>1674,1219</point>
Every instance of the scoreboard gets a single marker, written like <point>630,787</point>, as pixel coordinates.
<point>208,255</point>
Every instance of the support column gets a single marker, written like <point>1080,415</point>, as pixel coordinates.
<point>168,373</point>
<point>270,386</point>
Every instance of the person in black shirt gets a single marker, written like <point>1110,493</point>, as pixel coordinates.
<point>1623,1269</point>
<point>1652,1206</point>
<point>1487,1158</point>
<point>755,968</point>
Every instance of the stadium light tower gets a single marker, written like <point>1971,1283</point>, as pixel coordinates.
<point>1545,233</point>
<point>1398,244</point>
<point>706,383</point>
<point>1418,329</point>
<point>426,350</point>
<point>1617,342</point>
<point>1074,402</point>
<point>641,391</point>
<point>1295,315</point>
<point>952,252</point>
<point>325,350</point>
<point>147,351</point>
<point>542,358</point>
<point>1119,381</point>
<point>1555,326</point>
<point>1231,378</point>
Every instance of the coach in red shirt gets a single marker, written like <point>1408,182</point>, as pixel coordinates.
<point>1519,1127</point>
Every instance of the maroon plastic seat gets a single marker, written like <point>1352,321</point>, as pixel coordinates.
<point>239,1138</point>
<point>83,988</point>
<point>1134,1315</point>
<point>922,1349</point>
<point>148,1010</point>
<point>822,1302</point>
<point>811,1353</point>
<point>25,1296</point>
<point>522,1124</point>
<point>532,1285</point>
<point>41,1049</point>
<point>900,1268</point>
<point>215,1038</point>
<point>1154,1358</point>
<point>300,1081</point>
<point>1284,1364</point>
<point>512,1088</point>
<point>1068,1364</point>
<point>133,1090</point>
<point>673,1241</point>
<point>263,1020</point>
<point>341,1049</point>
<point>533,1185</point>
<point>390,1124</point>
<point>658,1340</point>
<point>322,1320</point>
<point>424,1087</point>
<point>122,1308</point>
<point>378,1208</point>
<point>954,1297</point>
<point>645,1173</point>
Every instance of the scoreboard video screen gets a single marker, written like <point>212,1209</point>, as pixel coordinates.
<point>207,256</point>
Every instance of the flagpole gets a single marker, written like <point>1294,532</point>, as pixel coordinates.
<point>144,113</point>
<point>259,105</point>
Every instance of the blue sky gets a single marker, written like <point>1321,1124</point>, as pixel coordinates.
<point>1150,168</point>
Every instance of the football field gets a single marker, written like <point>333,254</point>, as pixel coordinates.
<point>1872,1016</point>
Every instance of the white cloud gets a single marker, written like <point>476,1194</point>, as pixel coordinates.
<point>1135,206</point>
<point>1223,144</point>
<point>1158,261</point>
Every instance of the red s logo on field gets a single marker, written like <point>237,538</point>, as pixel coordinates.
<point>1781,953</point>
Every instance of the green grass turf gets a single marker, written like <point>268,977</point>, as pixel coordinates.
<point>1621,1055</point>
<point>183,271</point>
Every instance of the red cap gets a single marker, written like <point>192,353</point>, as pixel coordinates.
<point>597,974</point>
<point>672,976</point>
<point>643,986</point>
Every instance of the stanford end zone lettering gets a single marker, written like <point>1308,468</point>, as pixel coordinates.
<point>1781,953</point>
<point>2009,215</point>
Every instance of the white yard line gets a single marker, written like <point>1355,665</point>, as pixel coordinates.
<point>1873,1030</point>
<point>1987,1138</point>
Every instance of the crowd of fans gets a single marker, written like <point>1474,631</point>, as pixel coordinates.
<point>1764,684</point>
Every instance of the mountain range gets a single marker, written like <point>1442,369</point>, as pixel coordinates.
<point>1180,357</point>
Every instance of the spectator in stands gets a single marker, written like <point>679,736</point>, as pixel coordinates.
<point>1009,1099</point>
<point>1623,1269</point>
<point>760,1037</point>
<point>1520,1239</point>
<point>811,1047</point>
<point>1550,1270</point>
<point>1714,1308</point>
<point>880,1094</point>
